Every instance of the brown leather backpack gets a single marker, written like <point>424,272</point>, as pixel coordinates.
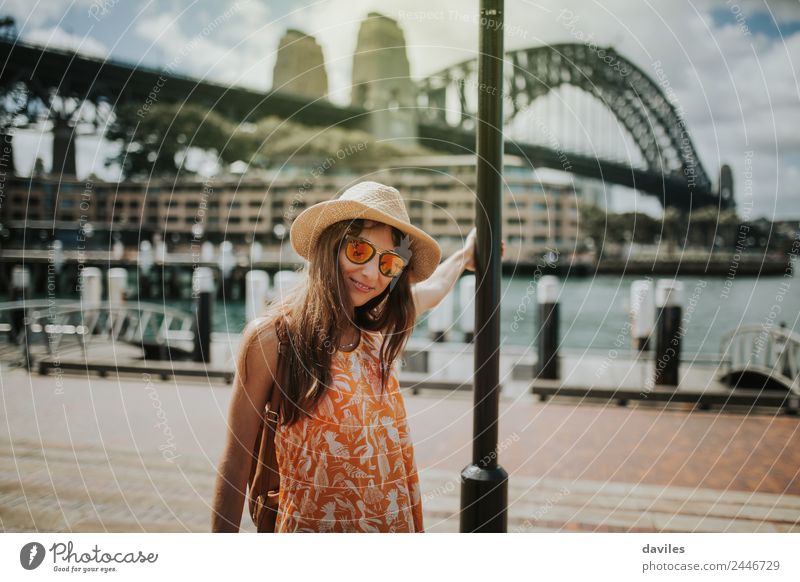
<point>265,479</point>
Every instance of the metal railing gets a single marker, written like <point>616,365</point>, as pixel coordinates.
<point>50,327</point>
<point>772,352</point>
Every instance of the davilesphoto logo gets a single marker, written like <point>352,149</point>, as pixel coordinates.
<point>31,555</point>
<point>67,559</point>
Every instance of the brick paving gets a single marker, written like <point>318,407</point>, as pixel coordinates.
<point>86,455</point>
<point>596,442</point>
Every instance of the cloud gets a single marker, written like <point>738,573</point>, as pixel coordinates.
<point>231,43</point>
<point>35,14</point>
<point>57,38</point>
<point>737,91</point>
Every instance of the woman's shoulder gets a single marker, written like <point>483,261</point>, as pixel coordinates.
<point>258,347</point>
<point>261,329</point>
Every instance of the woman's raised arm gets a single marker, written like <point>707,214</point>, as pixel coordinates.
<point>429,293</point>
<point>256,365</point>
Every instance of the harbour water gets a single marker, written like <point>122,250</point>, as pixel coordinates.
<point>594,311</point>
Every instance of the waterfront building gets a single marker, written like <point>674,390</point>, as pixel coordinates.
<point>540,209</point>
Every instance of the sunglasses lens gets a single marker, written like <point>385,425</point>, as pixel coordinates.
<point>358,252</point>
<point>391,265</point>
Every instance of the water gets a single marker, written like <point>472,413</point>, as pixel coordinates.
<point>594,311</point>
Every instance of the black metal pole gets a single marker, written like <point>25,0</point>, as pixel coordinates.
<point>203,291</point>
<point>547,367</point>
<point>20,283</point>
<point>484,483</point>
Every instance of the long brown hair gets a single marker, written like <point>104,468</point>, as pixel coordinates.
<point>313,314</point>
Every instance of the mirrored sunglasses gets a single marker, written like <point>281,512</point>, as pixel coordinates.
<point>360,252</point>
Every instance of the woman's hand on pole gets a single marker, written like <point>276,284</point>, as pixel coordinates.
<point>469,250</point>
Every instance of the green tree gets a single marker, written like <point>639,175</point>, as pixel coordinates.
<point>671,222</point>
<point>155,142</point>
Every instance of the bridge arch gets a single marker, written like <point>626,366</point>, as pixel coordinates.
<point>638,102</point>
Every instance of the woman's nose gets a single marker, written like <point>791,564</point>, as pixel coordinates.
<point>370,270</point>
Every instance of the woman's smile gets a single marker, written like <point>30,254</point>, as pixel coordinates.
<point>359,286</point>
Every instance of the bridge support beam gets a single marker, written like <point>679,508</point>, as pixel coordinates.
<point>63,149</point>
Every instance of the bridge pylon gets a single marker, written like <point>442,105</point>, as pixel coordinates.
<point>382,82</point>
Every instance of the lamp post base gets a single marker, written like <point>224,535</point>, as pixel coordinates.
<point>484,500</point>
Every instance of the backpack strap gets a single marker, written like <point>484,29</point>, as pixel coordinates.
<point>264,474</point>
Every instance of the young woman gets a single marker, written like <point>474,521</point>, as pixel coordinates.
<point>344,452</point>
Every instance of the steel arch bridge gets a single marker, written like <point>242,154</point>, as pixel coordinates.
<point>673,169</point>
<point>32,77</point>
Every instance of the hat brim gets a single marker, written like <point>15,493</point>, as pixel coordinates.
<point>309,224</point>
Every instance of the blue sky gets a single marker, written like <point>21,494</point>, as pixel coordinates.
<point>733,65</point>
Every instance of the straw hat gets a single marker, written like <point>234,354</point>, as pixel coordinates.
<point>367,201</point>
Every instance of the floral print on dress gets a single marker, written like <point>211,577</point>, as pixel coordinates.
<point>349,467</point>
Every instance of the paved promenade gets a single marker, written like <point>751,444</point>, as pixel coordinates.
<point>139,454</point>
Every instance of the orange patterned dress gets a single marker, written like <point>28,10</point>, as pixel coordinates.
<point>349,467</point>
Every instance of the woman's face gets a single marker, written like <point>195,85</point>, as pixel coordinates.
<point>365,282</point>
